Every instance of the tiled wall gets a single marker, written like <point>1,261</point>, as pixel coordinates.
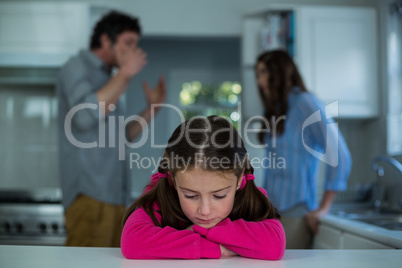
<point>28,137</point>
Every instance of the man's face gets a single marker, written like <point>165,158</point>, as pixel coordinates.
<point>127,40</point>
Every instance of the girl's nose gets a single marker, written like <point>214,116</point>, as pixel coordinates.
<point>204,208</point>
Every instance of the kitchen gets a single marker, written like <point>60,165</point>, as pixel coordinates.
<point>200,49</point>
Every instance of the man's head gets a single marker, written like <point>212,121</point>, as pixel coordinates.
<point>114,30</point>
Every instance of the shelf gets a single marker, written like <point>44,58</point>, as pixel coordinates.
<point>261,11</point>
<point>27,81</point>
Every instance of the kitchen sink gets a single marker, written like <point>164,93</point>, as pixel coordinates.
<point>391,223</point>
<point>387,220</point>
<point>354,214</point>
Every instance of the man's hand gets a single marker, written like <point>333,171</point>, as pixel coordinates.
<point>157,95</point>
<point>226,253</point>
<point>130,61</point>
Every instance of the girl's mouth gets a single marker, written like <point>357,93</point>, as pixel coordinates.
<point>205,221</point>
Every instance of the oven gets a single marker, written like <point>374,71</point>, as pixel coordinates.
<point>29,219</point>
<point>31,212</point>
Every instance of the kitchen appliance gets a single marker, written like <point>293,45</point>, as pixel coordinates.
<point>32,218</point>
<point>30,196</point>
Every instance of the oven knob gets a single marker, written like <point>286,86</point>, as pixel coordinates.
<point>55,227</point>
<point>19,227</point>
<point>7,227</point>
<point>42,227</point>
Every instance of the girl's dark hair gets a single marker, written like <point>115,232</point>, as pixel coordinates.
<point>283,76</point>
<point>199,139</point>
<point>113,24</point>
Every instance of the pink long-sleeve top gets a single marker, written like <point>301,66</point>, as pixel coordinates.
<point>141,239</point>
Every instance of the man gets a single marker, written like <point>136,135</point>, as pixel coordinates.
<point>93,179</point>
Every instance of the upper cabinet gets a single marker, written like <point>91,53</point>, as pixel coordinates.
<point>338,57</point>
<point>44,34</point>
<point>335,49</point>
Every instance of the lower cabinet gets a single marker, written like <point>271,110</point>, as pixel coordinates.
<point>352,241</point>
<point>330,237</point>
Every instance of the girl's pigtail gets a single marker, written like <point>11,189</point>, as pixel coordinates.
<point>249,169</point>
<point>168,200</point>
<point>250,203</point>
<point>152,192</point>
<point>164,165</point>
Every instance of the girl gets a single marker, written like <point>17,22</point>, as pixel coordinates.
<point>293,189</point>
<point>203,202</point>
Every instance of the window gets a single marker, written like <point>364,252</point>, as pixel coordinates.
<point>207,99</point>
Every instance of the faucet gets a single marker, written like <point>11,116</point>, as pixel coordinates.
<point>380,173</point>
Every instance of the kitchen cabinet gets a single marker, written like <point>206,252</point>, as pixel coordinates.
<point>330,237</point>
<point>44,34</point>
<point>352,241</point>
<point>335,49</point>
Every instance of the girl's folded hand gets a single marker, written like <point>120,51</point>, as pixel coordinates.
<point>226,253</point>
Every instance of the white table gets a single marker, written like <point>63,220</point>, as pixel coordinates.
<point>73,257</point>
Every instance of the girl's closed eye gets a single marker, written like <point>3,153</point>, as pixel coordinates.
<point>194,196</point>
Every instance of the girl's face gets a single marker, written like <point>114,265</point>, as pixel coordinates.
<point>206,197</point>
<point>262,77</point>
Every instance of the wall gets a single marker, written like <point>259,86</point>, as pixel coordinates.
<point>202,18</point>
<point>171,58</point>
<point>375,131</point>
<point>28,129</point>
<point>368,138</point>
<point>222,19</point>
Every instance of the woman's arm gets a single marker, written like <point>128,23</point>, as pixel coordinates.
<point>313,217</point>
<point>325,135</point>
<point>141,239</point>
<point>260,240</point>
<point>328,142</point>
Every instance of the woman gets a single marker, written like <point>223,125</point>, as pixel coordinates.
<point>297,129</point>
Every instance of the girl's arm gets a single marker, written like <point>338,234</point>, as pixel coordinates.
<point>141,239</point>
<point>260,240</point>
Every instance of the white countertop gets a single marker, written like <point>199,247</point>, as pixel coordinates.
<point>73,257</point>
<point>382,235</point>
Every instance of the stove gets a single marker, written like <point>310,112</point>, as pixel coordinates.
<point>26,219</point>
